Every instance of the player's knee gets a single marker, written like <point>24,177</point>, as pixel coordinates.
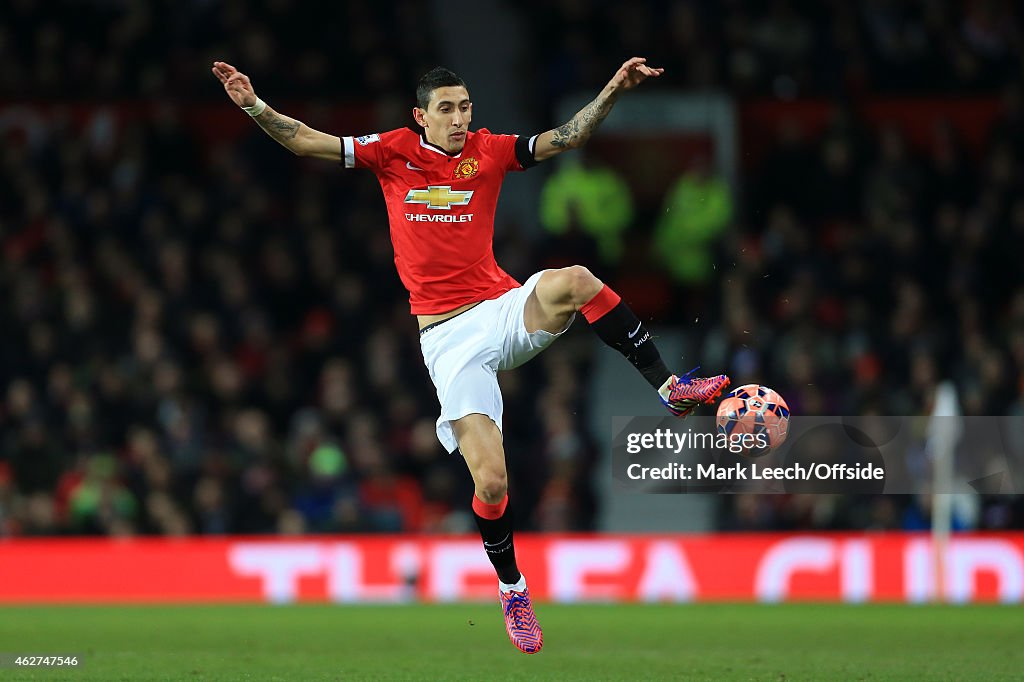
<point>491,486</point>
<point>581,285</point>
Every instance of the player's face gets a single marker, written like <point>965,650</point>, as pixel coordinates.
<point>447,118</point>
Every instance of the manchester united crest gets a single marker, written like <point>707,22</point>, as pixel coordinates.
<point>466,169</point>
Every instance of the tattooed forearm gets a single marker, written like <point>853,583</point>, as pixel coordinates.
<point>281,128</point>
<point>578,130</point>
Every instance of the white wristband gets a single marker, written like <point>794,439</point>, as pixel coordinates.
<point>256,109</point>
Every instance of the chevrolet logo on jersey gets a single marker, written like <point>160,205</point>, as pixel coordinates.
<point>439,197</point>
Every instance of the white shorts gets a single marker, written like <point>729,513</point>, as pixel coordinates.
<point>463,355</point>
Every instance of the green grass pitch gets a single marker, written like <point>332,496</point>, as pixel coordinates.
<point>468,642</point>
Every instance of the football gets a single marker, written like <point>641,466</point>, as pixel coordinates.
<point>756,410</point>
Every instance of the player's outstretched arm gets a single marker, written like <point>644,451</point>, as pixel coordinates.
<point>578,130</point>
<point>294,135</point>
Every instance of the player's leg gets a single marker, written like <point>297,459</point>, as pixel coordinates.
<point>561,293</point>
<point>480,444</point>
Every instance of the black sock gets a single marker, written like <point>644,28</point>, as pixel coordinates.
<point>497,537</point>
<point>622,330</point>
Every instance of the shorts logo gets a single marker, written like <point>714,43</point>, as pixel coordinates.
<point>438,197</point>
<point>466,169</point>
<point>367,139</point>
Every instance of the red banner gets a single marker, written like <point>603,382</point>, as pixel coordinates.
<point>770,567</point>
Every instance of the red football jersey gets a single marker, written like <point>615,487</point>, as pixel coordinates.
<point>441,210</point>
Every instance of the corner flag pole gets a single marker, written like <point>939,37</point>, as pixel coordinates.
<point>944,430</point>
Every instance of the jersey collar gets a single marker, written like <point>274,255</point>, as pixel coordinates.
<point>433,147</point>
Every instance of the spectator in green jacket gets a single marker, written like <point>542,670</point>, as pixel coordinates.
<point>591,198</point>
<point>697,211</point>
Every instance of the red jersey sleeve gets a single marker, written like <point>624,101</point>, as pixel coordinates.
<point>366,151</point>
<point>513,151</point>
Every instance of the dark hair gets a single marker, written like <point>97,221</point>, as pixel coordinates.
<point>437,77</point>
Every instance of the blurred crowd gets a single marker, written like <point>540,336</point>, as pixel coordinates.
<point>99,49</point>
<point>867,272</point>
<point>211,338</point>
<point>859,270</point>
<point>787,48</point>
<point>103,49</point>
